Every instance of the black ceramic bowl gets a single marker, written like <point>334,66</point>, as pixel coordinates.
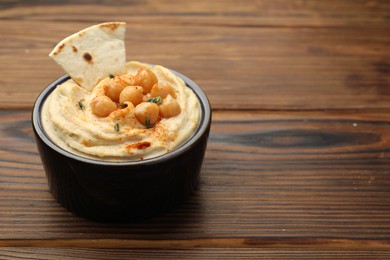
<point>123,191</point>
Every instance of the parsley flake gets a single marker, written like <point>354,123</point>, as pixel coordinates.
<point>156,100</point>
<point>81,105</point>
<point>147,122</point>
<point>116,127</point>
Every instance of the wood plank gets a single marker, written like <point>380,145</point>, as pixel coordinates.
<point>268,179</point>
<point>240,66</point>
<point>307,243</point>
<point>306,13</point>
<point>200,253</point>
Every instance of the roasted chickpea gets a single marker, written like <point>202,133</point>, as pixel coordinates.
<point>147,113</point>
<point>162,89</point>
<point>146,79</point>
<point>132,94</point>
<point>169,107</point>
<point>126,79</point>
<point>113,88</point>
<point>102,106</point>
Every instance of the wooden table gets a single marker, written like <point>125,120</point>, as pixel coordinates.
<point>298,160</point>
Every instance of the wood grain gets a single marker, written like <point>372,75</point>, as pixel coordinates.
<point>260,55</point>
<point>277,13</point>
<point>268,179</point>
<point>202,253</point>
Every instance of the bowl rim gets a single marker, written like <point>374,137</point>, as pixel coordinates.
<point>202,128</point>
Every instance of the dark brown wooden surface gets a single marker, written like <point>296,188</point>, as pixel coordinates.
<point>201,253</point>
<point>298,161</point>
<point>254,55</point>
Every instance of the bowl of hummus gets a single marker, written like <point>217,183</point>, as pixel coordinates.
<point>119,141</point>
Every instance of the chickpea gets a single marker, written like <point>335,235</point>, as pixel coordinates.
<point>126,79</point>
<point>169,107</point>
<point>162,89</point>
<point>147,113</point>
<point>113,88</point>
<point>146,79</point>
<point>132,94</point>
<point>102,106</point>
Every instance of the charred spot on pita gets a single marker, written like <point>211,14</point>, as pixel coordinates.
<point>110,26</point>
<point>59,49</point>
<point>87,57</point>
<point>74,48</point>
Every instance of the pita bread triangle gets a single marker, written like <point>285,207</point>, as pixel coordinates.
<point>92,54</point>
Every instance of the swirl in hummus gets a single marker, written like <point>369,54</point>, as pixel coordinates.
<point>74,120</point>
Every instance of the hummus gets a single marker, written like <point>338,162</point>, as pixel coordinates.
<point>70,123</point>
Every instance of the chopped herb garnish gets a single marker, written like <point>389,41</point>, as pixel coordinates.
<point>81,105</point>
<point>156,100</point>
<point>147,122</point>
<point>111,76</point>
<point>116,127</point>
<point>123,105</point>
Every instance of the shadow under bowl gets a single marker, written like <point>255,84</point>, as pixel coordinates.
<point>127,191</point>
